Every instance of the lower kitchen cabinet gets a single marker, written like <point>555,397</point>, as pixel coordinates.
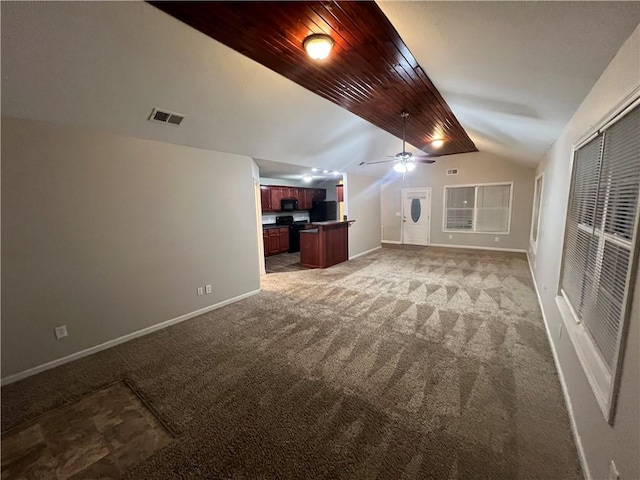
<point>276,240</point>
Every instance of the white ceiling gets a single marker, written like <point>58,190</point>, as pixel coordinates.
<point>512,72</point>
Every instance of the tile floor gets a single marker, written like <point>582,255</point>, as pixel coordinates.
<point>99,436</point>
<point>283,262</point>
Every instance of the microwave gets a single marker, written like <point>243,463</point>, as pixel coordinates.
<point>288,204</point>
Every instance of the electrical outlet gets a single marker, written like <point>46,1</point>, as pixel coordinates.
<point>497,239</point>
<point>450,237</point>
<point>60,332</point>
<point>613,471</point>
<point>207,289</point>
<point>200,291</point>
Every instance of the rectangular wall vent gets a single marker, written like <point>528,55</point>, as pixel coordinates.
<point>452,171</point>
<point>164,116</point>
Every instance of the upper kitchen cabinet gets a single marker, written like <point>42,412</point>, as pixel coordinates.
<point>272,194</point>
<point>276,196</point>
<point>305,198</point>
<point>340,193</point>
<point>265,197</point>
<point>319,194</point>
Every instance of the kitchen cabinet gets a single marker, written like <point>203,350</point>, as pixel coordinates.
<point>271,195</point>
<point>265,198</point>
<point>319,194</point>
<point>276,240</point>
<point>276,196</point>
<point>340,193</point>
<point>305,198</point>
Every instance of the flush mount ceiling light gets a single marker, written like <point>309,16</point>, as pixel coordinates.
<point>307,178</point>
<point>318,45</point>
<point>437,142</point>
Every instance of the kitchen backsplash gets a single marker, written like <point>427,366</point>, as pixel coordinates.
<point>270,218</point>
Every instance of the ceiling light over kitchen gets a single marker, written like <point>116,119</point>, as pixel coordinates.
<point>307,178</point>
<point>325,171</point>
<point>318,45</point>
<point>315,169</point>
<point>437,142</point>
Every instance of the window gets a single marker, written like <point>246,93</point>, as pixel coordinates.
<point>478,208</point>
<point>535,216</point>
<point>597,269</point>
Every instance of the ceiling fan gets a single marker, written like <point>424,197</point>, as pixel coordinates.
<point>404,161</point>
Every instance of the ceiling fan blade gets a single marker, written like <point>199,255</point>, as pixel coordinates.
<point>424,160</point>
<point>379,161</point>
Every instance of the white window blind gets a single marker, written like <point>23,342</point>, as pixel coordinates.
<point>493,208</point>
<point>600,230</point>
<point>478,208</point>
<point>460,204</point>
<point>535,218</point>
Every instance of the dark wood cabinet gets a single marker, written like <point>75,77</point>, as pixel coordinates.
<point>340,193</point>
<point>276,196</point>
<point>276,240</point>
<point>284,240</point>
<point>265,197</point>
<point>319,194</point>
<point>305,198</point>
<point>271,195</point>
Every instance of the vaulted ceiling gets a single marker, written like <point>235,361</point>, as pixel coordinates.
<point>513,74</point>
<point>370,71</point>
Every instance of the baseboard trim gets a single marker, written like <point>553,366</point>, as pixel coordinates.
<point>365,253</point>
<point>117,341</point>
<point>565,392</point>
<point>494,249</point>
<point>394,242</point>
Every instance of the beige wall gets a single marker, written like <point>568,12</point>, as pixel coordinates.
<point>110,234</point>
<point>600,442</point>
<point>473,168</point>
<point>362,204</point>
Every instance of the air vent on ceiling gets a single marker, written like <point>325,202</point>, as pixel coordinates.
<point>452,171</point>
<point>164,116</point>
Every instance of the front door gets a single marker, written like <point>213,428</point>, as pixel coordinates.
<point>416,215</point>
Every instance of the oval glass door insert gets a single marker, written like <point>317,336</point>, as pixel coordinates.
<point>415,210</point>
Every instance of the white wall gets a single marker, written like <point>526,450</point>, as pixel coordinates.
<point>362,204</point>
<point>478,167</point>
<point>110,234</point>
<point>599,441</point>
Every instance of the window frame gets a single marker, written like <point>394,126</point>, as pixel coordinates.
<point>475,207</point>
<point>604,382</point>
<point>536,195</point>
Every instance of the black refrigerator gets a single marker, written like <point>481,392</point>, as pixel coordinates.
<point>323,211</point>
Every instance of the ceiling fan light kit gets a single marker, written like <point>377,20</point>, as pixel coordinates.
<point>405,161</point>
<point>318,45</point>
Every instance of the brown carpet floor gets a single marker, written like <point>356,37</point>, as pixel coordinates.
<point>403,364</point>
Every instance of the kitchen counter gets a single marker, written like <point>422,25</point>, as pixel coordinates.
<point>324,244</point>
<point>273,225</point>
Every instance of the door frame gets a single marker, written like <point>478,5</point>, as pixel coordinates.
<point>403,194</point>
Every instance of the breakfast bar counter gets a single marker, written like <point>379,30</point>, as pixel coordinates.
<point>323,244</point>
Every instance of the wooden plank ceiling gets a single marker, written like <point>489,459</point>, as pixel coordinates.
<point>370,70</point>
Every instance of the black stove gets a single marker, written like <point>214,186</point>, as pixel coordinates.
<point>284,220</point>
<point>294,230</point>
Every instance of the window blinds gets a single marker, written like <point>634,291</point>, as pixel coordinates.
<point>493,208</point>
<point>460,203</point>
<point>600,229</point>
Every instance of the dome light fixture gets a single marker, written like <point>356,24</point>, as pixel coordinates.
<point>307,178</point>
<point>318,45</point>
<point>437,142</point>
